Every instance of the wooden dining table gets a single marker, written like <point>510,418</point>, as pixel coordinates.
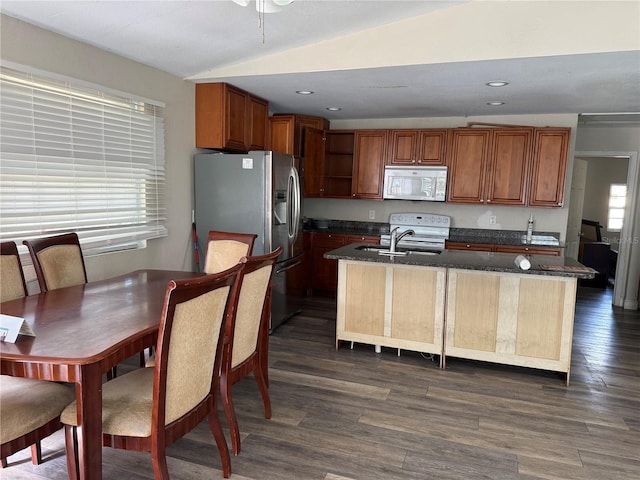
<point>81,332</point>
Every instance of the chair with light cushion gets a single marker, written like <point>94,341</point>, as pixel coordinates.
<point>12,283</point>
<point>225,249</point>
<point>246,342</point>
<point>148,409</point>
<point>29,411</point>
<point>58,261</point>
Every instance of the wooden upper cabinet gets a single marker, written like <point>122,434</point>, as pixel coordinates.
<point>313,163</point>
<point>431,146</point>
<point>490,166</point>
<point>229,118</point>
<point>368,164</point>
<point>467,161</point>
<point>257,123</point>
<point>287,132</point>
<point>548,173</point>
<point>417,147</point>
<point>281,132</point>
<point>339,148</point>
<point>403,147</point>
<point>508,166</point>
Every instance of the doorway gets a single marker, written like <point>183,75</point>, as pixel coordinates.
<point>623,255</point>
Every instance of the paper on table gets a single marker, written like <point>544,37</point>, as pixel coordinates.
<point>11,327</point>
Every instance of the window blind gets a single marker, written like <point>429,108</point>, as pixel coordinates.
<point>74,158</point>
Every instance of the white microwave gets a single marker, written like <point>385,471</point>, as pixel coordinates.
<point>415,183</point>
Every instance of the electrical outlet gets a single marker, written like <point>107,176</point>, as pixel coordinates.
<point>372,214</point>
<point>492,219</point>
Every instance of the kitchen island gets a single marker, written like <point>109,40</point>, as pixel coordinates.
<point>465,304</point>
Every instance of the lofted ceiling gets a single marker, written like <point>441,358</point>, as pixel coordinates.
<point>373,59</point>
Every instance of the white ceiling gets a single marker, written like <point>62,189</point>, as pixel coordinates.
<point>194,39</point>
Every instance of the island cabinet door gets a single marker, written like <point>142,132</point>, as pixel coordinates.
<point>524,320</point>
<point>393,306</point>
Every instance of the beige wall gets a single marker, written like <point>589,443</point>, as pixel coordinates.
<point>25,44</point>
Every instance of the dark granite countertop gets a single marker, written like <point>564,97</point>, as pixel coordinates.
<point>346,227</point>
<point>464,235</point>
<point>466,260</point>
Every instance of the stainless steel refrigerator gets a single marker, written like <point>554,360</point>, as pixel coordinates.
<point>257,192</point>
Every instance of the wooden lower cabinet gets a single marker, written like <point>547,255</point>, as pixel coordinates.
<point>506,318</point>
<point>323,275</point>
<point>478,247</point>
<point>522,320</point>
<point>324,272</point>
<point>517,249</point>
<point>528,250</point>
<point>393,306</point>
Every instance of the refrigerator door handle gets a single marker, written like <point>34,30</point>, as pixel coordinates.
<point>288,265</point>
<point>294,205</point>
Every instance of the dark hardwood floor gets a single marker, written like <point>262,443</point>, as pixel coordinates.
<point>354,414</point>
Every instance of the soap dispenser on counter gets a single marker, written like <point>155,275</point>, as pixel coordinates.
<point>530,229</point>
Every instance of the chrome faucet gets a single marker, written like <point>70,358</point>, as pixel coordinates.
<point>395,238</point>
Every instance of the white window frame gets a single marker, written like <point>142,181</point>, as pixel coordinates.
<point>78,157</point>
<point>616,207</point>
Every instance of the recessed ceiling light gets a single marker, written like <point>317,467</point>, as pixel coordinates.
<point>497,84</point>
<point>334,109</point>
<point>304,92</point>
<point>495,104</point>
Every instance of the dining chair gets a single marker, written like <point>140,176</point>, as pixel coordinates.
<point>58,261</point>
<point>148,409</point>
<point>246,341</point>
<point>29,411</point>
<point>225,249</point>
<point>12,283</point>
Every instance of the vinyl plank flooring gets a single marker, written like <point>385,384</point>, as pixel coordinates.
<point>352,414</point>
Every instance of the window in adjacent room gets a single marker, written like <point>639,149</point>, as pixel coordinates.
<point>81,158</point>
<point>617,198</point>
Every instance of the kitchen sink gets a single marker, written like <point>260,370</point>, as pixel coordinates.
<point>400,251</point>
